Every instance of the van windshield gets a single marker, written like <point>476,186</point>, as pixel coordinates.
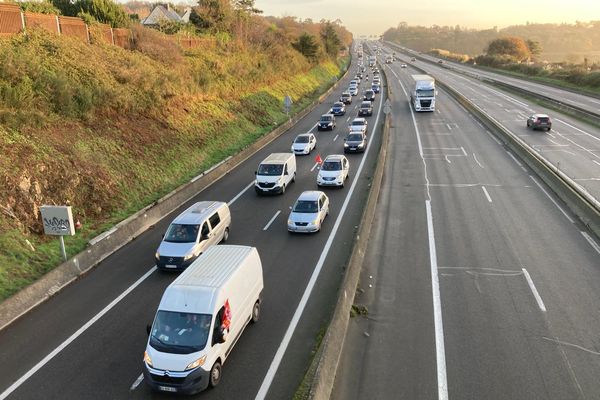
<point>180,332</point>
<point>179,233</point>
<point>270,169</point>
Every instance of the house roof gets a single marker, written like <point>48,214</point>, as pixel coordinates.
<point>159,13</point>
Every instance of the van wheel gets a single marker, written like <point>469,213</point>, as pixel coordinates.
<point>255,312</point>
<point>215,374</point>
<point>225,235</point>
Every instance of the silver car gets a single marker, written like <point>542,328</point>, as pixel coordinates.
<point>309,212</point>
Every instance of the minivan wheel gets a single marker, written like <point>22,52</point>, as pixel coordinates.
<point>215,374</point>
<point>225,235</point>
<point>255,312</point>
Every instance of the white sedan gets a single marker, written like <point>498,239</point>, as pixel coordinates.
<point>309,212</point>
<point>304,143</point>
<point>334,171</point>
<point>353,90</point>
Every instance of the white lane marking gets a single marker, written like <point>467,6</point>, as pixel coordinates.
<point>517,161</point>
<point>449,128</point>
<point>552,199</point>
<point>477,161</point>
<point>240,193</point>
<point>271,220</point>
<point>348,119</point>
<point>577,129</point>
<point>537,296</point>
<point>74,336</point>
<point>572,345</point>
<point>336,136</point>
<point>509,98</point>
<point>487,195</point>
<point>440,351</point>
<point>137,382</point>
<point>552,141</point>
<point>490,134</point>
<point>463,150</point>
<point>591,241</point>
<point>314,166</point>
<point>266,383</point>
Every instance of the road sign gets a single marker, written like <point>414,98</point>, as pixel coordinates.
<point>287,104</point>
<point>387,107</point>
<point>58,221</point>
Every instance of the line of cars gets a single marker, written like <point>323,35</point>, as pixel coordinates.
<point>203,312</point>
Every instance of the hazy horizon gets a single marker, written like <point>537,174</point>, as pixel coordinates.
<point>374,17</point>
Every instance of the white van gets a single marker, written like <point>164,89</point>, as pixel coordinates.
<point>275,173</point>
<point>200,318</point>
<point>202,225</point>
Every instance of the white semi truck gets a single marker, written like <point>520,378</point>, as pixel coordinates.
<point>423,96</point>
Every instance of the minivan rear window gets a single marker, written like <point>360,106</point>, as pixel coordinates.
<point>179,233</point>
<point>214,220</point>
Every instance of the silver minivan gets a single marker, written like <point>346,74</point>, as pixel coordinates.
<point>204,224</point>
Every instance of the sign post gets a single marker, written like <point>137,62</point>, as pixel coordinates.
<point>287,105</point>
<point>387,107</point>
<point>58,221</point>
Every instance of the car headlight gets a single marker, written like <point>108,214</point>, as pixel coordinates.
<point>147,359</point>
<point>187,257</point>
<point>361,145</point>
<point>199,362</point>
<point>345,144</point>
<point>157,255</point>
<point>290,222</point>
<point>315,222</point>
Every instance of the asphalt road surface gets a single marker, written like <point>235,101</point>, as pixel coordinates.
<point>87,342</point>
<point>479,283</point>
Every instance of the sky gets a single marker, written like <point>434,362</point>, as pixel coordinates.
<point>373,17</point>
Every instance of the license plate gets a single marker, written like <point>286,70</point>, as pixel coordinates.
<point>167,389</point>
<point>170,266</point>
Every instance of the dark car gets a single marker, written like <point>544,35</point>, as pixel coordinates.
<point>338,108</point>
<point>327,122</point>
<point>539,121</point>
<point>366,108</point>
<point>355,142</point>
<point>346,98</point>
<point>369,95</point>
<point>375,87</point>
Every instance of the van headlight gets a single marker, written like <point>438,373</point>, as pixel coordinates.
<point>188,257</point>
<point>198,363</point>
<point>157,255</point>
<point>147,359</point>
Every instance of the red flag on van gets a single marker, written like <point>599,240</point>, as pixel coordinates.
<point>227,315</point>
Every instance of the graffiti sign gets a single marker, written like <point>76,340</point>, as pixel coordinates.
<point>57,220</point>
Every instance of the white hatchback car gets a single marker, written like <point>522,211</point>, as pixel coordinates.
<point>334,171</point>
<point>309,212</point>
<point>304,143</point>
<point>353,90</point>
<point>358,125</point>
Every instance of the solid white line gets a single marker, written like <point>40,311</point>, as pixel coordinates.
<point>336,136</point>
<point>137,382</point>
<point>552,200</point>
<point>537,296</point>
<point>596,162</point>
<point>266,383</point>
<point>240,193</point>
<point>74,336</point>
<point>271,220</point>
<point>440,351</point>
<point>437,310</point>
<point>591,241</point>
<point>486,194</point>
<point>577,129</point>
<point>314,166</point>
<point>493,137</point>
<point>517,161</point>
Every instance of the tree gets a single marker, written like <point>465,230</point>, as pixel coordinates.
<point>42,7</point>
<point>307,45</point>
<point>330,38</point>
<point>514,47</point>
<point>535,48</point>
<point>104,11</point>
<point>213,15</point>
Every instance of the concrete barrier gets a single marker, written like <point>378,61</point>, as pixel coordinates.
<point>328,356</point>
<point>109,242</point>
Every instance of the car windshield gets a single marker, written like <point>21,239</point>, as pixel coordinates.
<point>332,166</point>
<point>354,138</point>
<point>366,104</point>
<point>358,123</point>
<point>302,139</point>
<point>179,233</point>
<point>180,332</point>
<point>326,118</point>
<point>306,206</point>
<point>270,169</point>
<point>338,105</point>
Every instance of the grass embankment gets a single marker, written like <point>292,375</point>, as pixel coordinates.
<point>109,131</point>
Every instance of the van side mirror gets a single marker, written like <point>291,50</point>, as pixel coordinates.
<point>148,327</point>
<point>255,172</point>
<point>163,236</point>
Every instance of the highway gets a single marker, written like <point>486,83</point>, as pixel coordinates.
<point>586,102</point>
<point>479,283</point>
<point>87,342</point>
<point>571,146</point>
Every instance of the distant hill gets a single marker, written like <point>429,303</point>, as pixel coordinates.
<point>559,42</point>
